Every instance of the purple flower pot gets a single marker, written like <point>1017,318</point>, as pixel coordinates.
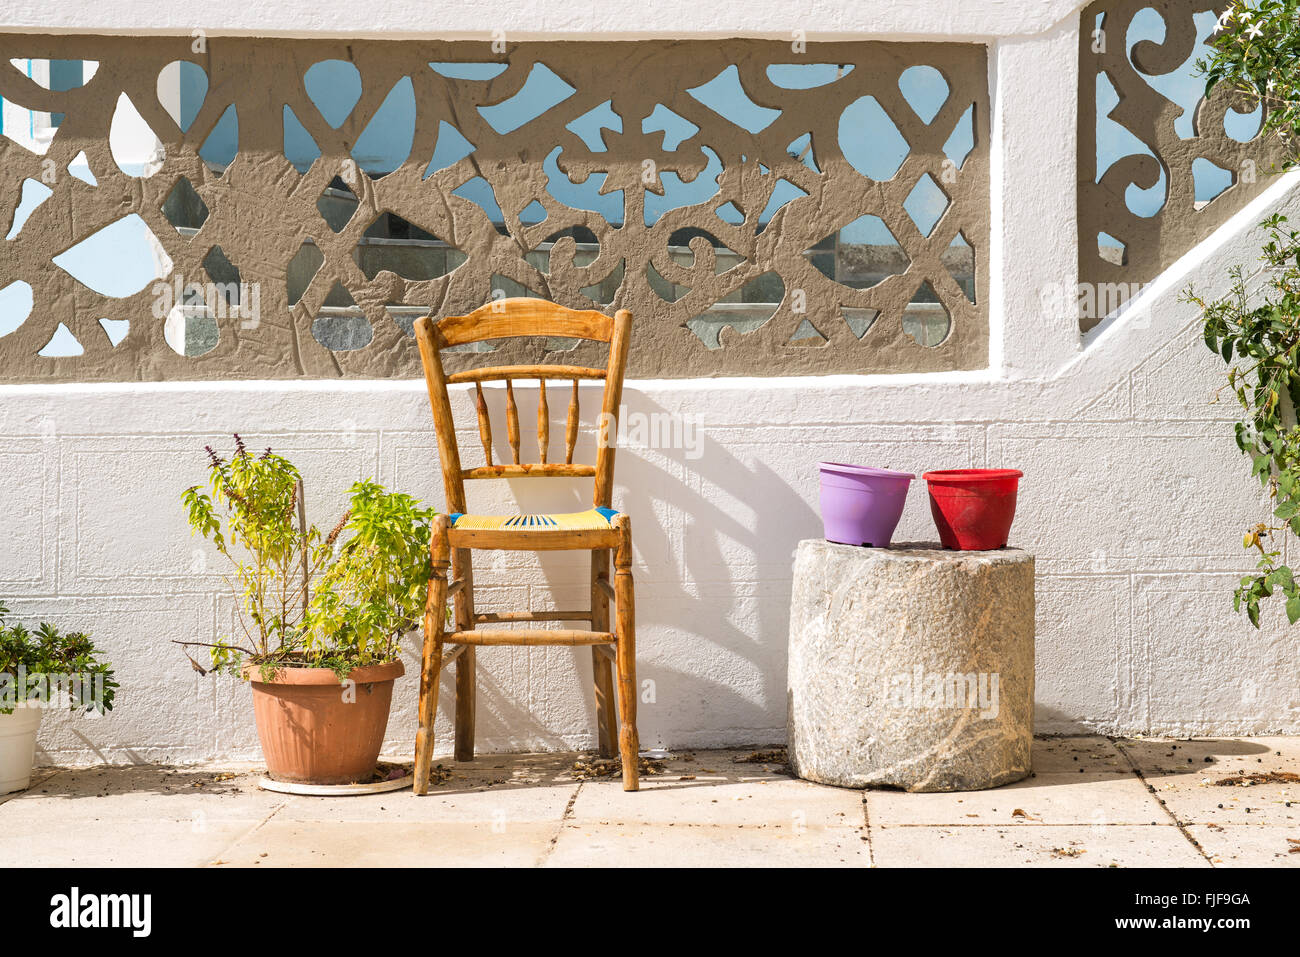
<point>862,506</point>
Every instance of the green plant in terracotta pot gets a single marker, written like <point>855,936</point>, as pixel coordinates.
<point>321,616</point>
<point>41,670</point>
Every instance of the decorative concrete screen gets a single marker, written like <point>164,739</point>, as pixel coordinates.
<point>1160,165</point>
<point>248,208</point>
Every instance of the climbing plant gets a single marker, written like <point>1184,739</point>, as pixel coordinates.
<point>1256,331</point>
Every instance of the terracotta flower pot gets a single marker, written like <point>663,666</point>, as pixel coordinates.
<point>316,730</point>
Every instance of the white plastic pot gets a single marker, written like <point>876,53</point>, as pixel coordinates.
<point>18,748</point>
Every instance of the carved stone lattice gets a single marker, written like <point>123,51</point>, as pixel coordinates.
<point>1149,244</point>
<point>257,212</point>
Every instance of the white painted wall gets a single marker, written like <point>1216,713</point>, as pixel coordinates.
<point>1133,500</point>
<point>611,19</point>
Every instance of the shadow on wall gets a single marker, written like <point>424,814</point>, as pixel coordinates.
<point>692,587</point>
<point>1048,720</point>
<point>704,593</point>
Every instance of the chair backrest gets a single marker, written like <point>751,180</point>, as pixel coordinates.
<point>514,318</point>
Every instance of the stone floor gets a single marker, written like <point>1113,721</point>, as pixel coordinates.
<point>1092,802</point>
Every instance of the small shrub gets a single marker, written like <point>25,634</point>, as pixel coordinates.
<point>52,668</point>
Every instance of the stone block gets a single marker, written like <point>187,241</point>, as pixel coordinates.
<point>911,667</point>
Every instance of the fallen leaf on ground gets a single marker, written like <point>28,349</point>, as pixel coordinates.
<point>1068,851</point>
<point>1259,777</point>
<point>392,771</point>
<point>586,770</point>
<point>775,756</point>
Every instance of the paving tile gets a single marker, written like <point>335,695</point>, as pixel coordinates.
<point>681,845</point>
<point>739,801</point>
<point>1165,757</point>
<point>1188,785</point>
<point>1047,846</point>
<point>1045,800</point>
<point>1081,754</point>
<point>524,766</point>
<point>88,795</point>
<point>1084,807</point>
<point>397,844</point>
<point>535,788</point>
<point>454,801</point>
<point>39,777</point>
<point>1236,845</point>
<point>1075,781</point>
<point>117,843</point>
<point>719,787</point>
<point>729,764</point>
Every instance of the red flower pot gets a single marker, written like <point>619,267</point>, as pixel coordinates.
<point>973,508</point>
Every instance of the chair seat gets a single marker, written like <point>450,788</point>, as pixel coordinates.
<point>594,519</point>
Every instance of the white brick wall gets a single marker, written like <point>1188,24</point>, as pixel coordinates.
<point>1133,498</point>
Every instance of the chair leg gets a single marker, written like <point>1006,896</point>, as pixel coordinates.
<point>602,668</point>
<point>625,630</point>
<point>435,618</point>
<point>466,683</point>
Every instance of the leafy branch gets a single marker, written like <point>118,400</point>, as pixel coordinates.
<point>1255,55</point>
<point>1261,345</point>
<point>369,574</point>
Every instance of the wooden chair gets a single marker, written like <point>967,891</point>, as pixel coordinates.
<point>600,530</point>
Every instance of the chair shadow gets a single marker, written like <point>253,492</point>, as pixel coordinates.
<point>687,548</point>
<point>682,770</point>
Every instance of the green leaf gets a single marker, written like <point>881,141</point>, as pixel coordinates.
<point>1293,609</point>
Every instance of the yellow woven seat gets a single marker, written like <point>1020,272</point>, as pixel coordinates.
<point>593,519</point>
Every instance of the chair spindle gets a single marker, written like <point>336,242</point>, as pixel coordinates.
<point>484,425</point>
<point>571,427</point>
<point>512,420</point>
<point>543,420</point>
